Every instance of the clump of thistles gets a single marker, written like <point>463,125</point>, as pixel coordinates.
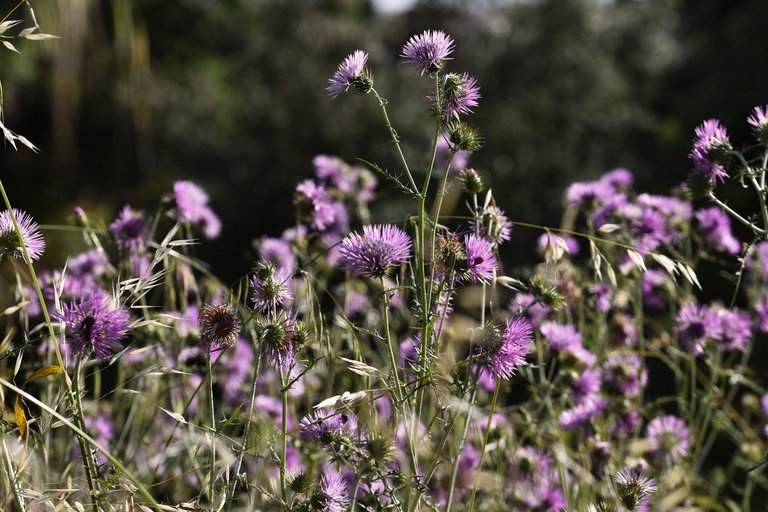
<point>428,51</point>
<point>219,325</point>
<point>376,252</point>
<point>505,350</point>
<point>93,323</point>
<point>351,74</point>
<point>30,235</point>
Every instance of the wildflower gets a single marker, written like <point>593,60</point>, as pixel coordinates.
<point>88,265</point>
<point>695,325</point>
<point>92,323</point>
<point>481,264</point>
<point>314,205</point>
<point>582,413</point>
<point>30,235</point>
<point>735,329</point>
<point>505,352</point>
<point>494,225</point>
<point>585,385</point>
<point>759,122</point>
<point>130,228</point>
<point>282,338</point>
<point>333,495</point>
<point>329,425</point>
<point>270,286</point>
<point>526,304</point>
<point>668,438</point>
<point>376,252</point>
<point>618,178</point>
<point>219,325</point>
<point>351,73</point>
<point>589,194</point>
<point>624,373</point>
<point>464,137</point>
<point>192,206</point>
<point>458,94</point>
<point>715,226</point>
<point>634,486</point>
<point>710,145</point>
<point>277,251</point>
<point>602,294</point>
<point>565,338</point>
<point>428,51</point>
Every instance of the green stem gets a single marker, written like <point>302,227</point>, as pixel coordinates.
<point>393,136</point>
<point>284,438</point>
<point>735,215</point>
<point>485,443</point>
<point>398,394</point>
<point>212,483</point>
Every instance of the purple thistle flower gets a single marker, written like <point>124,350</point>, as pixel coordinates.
<point>618,178</point>
<point>582,413</point>
<point>351,73</point>
<point>634,486</point>
<point>602,295</point>
<point>458,94</point>
<point>624,374</point>
<point>328,425</point>
<point>376,252</point>
<point>481,262</point>
<point>30,235</point>
<point>695,325</point>
<point>589,194</point>
<point>130,228</point>
<point>735,329</point>
<point>759,122</point>
<point>627,423</point>
<point>219,325</point>
<point>506,351</point>
<point>192,206</point>
<point>668,438</point>
<point>585,385</point>
<point>334,496</point>
<point>314,205</point>
<point>88,265</point>
<point>271,286</point>
<point>711,142</point>
<point>715,226</point>
<point>525,304</point>
<point>565,338</point>
<point>277,251</point>
<point>495,226</point>
<point>282,337</point>
<point>92,322</point>
<point>428,51</point>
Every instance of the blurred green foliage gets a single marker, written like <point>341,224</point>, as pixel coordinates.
<point>231,94</point>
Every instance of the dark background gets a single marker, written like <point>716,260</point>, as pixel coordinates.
<point>231,94</point>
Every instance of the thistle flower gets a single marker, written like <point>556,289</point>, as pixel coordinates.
<point>735,329</point>
<point>634,486</point>
<point>582,413</point>
<point>351,73</point>
<point>589,194</point>
<point>481,263</point>
<point>130,228</point>
<point>192,206</point>
<point>715,226</point>
<point>464,137</point>
<point>472,181</point>
<point>329,425</point>
<point>618,178</point>
<point>282,338</point>
<point>314,205</point>
<point>565,338</point>
<point>30,235</point>
<point>376,252</point>
<point>271,286</point>
<point>277,251</point>
<point>458,94</point>
<point>624,374</point>
<point>709,146</point>
<point>505,351</point>
<point>585,385</point>
<point>428,51</point>
<point>93,323</point>
<point>759,122</point>
<point>668,438</point>
<point>219,325</point>
<point>695,325</point>
<point>496,227</point>
<point>333,494</point>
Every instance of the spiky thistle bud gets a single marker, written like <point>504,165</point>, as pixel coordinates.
<point>219,325</point>
<point>464,137</point>
<point>471,181</point>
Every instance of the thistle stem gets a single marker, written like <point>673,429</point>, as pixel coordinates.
<point>212,483</point>
<point>485,443</point>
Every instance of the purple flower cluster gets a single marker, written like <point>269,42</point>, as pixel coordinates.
<point>564,338</point>
<point>94,323</point>
<point>696,325</point>
<point>715,227</point>
<point>192,206</point>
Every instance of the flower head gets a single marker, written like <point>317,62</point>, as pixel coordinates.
<point>668,438</point>
<point>329,425</point>
<point>376,252</point>
<point>458,94</point>
<point>428,51</point>
<point>30,235</point>
<point>758,120</point>
<point>282,338</point>
<point>92,322</point>
<point>710,144</point>
<point>715,226</point>
<point>480,264</point>
<point>351,73</point>
<point>495,225</point>
<point>130,228</point>
<point>505,351</point>
<point>219,325</point>
<point>271,286</point>
<point>192,206</point>
<point>624,374</point>
<point>695,325</point>
<point>333,495</point>
<point>634,485</point>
